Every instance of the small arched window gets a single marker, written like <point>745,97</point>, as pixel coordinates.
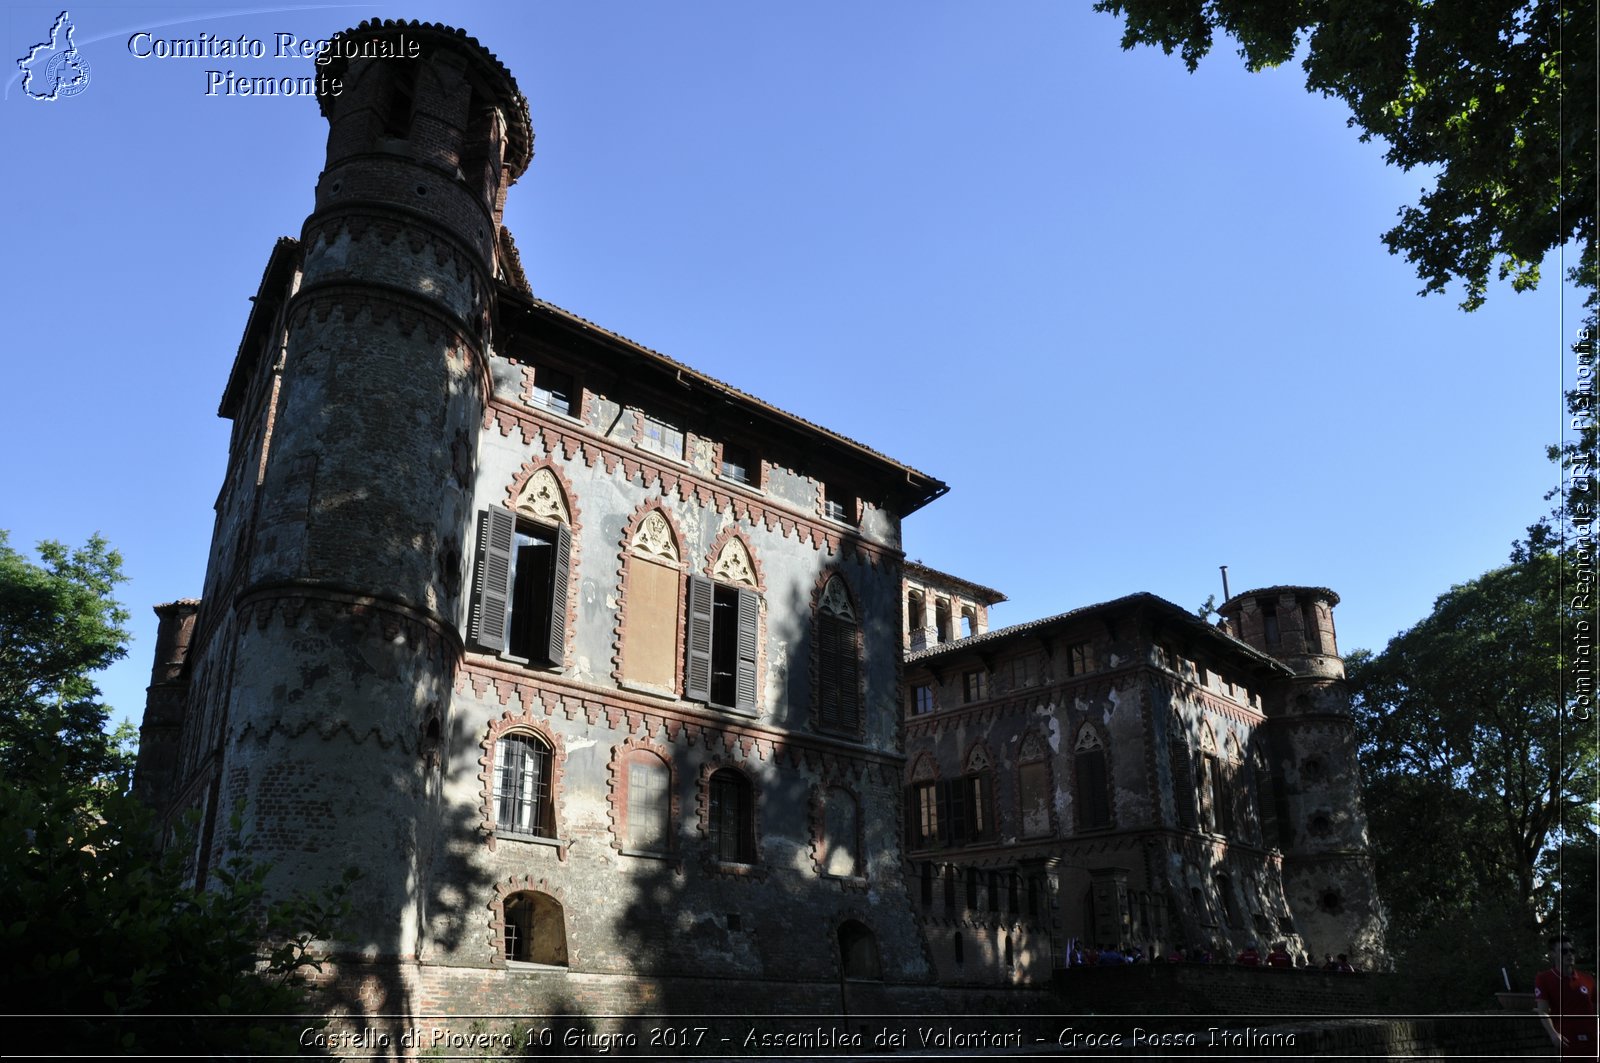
<point>858,951</point>
<point>535,929</point>
<point>1094,784</point>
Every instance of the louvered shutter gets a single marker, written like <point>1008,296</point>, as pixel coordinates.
<point>828,670</point>
<point>560,576</point>
<point>749,621</point>
<point>491,592</point>
<point>849,679</point>
<point>697,640</point>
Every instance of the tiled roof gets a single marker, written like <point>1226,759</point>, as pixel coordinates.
<point>932,489</point>
<point>1142,599</point>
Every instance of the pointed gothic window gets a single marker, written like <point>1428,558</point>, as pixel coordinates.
<point>520,585</point>
<point>1094,784</point>
<point>838,661</point>
<point>723,631</point>
<point>650,639</point>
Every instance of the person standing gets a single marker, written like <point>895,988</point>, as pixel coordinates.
<point>1565,999</point>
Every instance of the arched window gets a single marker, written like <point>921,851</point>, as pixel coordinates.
<point>731,817</point>
<point>520,586</point>
<point>838,660</point>
<point>1225,898</point>
<point>723,631</point>
<point>858,951</point>
<point>522,792</point>
<point>1094,784</point>
<point>841,834</point>
<point>1181,763</point>
<point>535,929</point>
<point>978,795</point>
<point>1033,787</point>
<point>650,638</point>
<point>649,803</point>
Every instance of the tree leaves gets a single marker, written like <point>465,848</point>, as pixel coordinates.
<point>1495,96</point>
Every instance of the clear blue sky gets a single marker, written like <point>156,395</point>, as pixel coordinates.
<point>1141,321</point>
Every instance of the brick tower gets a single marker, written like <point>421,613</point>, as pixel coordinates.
<point>331,641</point>
<point>1310,737</point>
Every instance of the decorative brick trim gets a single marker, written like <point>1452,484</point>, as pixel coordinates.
<point>625,556</point>
<point>753,872</point>
<point>503,891</point>
<point>617,792</point>
<point>522,723</point>
<point>689,484</point>
<point>684,724</point>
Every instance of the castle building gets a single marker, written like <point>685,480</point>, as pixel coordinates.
<point>592,664</point>
<point>1128,775</point>
<point>587,661</point>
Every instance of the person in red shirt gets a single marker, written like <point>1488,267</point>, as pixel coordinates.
<point>1565,999</point>
<point>1250,957</point>
<point>1279,956</point>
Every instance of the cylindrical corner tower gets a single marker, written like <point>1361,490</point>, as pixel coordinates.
<point>1316,779</point>
<point>348,616</point>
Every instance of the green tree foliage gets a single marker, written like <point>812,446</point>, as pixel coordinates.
<point>105,942</point>
<point>1476,769</point>
<point>113,952</point>
<point>1494,97</point>
<point>59,623</point>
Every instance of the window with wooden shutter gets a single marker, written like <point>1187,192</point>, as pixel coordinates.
<point>1094,791</point>
<point>722,639</point>
<point>697,640</point>
<point>491,582</point>
<point>519,599</point>
<point>838,663</point>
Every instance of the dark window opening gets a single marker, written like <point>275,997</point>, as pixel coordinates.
<point>1094,799</point>
<point>400,102</point>
<point>927,884</point>
<point>1078,661</point>
<point>972,686</point>
<point>1313,633</point>
<point>519,601</point>
<point>731,818</point>
<point>720,644</point>
<point>838,672</point>
<point>972,889</point>
<point>535,929</point>
<point>738,464</point>
<point>959,944</point>
<point>949,888</point>
<point>858,951</point>
<point>1269,624</point>
<point>921,699</point>
<point>553,389</point>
